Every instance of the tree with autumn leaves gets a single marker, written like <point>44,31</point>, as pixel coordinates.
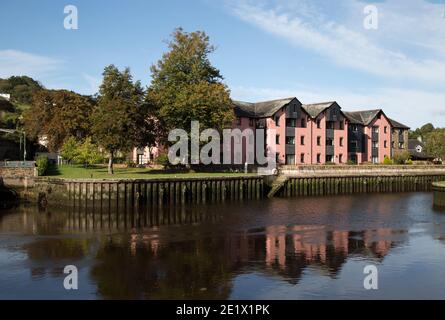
<point>58,115</point>
<point>185,87</point>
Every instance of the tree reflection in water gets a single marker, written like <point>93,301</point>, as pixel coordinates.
<point>190,252</point>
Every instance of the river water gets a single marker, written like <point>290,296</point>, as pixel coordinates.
<point>305,248</point>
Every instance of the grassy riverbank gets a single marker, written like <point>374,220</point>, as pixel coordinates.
<point>101,172</point>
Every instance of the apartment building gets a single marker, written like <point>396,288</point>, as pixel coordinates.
<point>369,136</point>
<point>400,137</point>
<point>305,133</point>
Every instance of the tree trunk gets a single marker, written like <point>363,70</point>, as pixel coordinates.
<point>110,163</point>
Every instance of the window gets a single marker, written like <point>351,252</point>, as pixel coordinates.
<point>340,158</point>
<point>318,123</point>
<point>238,121</point>
<point>277,139</point>
<point>330,125</point>
<point>385,129</point>
<point>401,145</point>
<point>277,121</point>
<point>375,129</point>
<point>291,123</point>
<point>277,157</point>
<point>290,140</point>
<point>251,122</point>
<point>385,144</point>
<point>294,108</point>
<point>329,142</point>
<point>303,123</point>
<point>302,140</point>
<point>375,144</point>
<point>342,125</point>
<point>302,158</point>
<point>290,159</point>
<point>318,141</point>
<point>341,142</point>
<point>354,127</point>
<point>329,159</point>
<point>375,159</point>
<point>318,158</point>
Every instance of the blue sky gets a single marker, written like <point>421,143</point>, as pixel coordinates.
<point>314,50</point>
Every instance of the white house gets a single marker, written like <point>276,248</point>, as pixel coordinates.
<point>5,96</point>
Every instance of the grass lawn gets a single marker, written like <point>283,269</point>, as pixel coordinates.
<point>101,172</point>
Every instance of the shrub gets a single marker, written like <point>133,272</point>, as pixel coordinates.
<point>130,164</point>
<point>42,165</point>
<point>162,160</point>
<point>409,162</point>
<point>351,163</point>
<point>330,163</point>
<point>387,161</point>
<point>401,157</point>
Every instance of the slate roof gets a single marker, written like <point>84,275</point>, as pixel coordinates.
<point>314,109</point>
<point>263,109</point>
<point>398,125</point>
<point>412,148</point>
<point>362,117</point>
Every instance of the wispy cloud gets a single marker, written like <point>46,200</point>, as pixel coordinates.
<point>15,63</point>
<point>93,82</point>
<point>346,43</point>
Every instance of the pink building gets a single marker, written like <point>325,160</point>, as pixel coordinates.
<point>370,136</point>
<point>305,134</point>
<point>143,156</point>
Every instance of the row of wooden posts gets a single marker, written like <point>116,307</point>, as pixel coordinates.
<point>123,194</point>
<point>359,184</point>
<point>144,192</point>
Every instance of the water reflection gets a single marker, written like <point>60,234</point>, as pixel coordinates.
<point>199,252</point>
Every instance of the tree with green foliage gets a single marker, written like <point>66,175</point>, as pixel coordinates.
<point>185,86</point>
<point>69,149</point>
<point>87,153</point>
<point>21,88</point>
<point>119,113</point>
<point>58,115</point>
<point>422,131</point>
<point>435,143</point>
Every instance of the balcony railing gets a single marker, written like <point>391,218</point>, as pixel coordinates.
<point>290,131</point>
<point>290,149</point>
<point>330,133</point>
<point>329,150</point>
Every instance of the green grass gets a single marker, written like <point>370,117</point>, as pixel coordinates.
<point>101,172</point>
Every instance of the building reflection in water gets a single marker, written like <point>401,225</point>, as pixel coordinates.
<point>184,252</point>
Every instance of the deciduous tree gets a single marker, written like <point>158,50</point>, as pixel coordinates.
<point>119,112</point>
<point>186,86</point>
<point>58,115</point>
